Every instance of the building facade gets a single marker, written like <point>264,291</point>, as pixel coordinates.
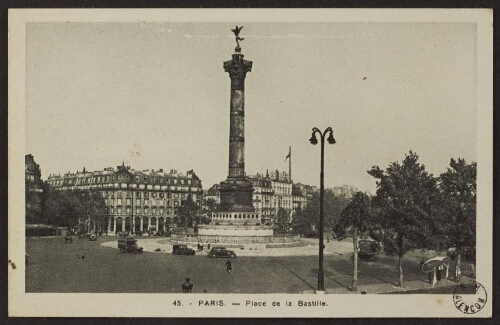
<point>137,201</point>
<point>271,192</point>
<point>345,190</point>
<point>33,190</point>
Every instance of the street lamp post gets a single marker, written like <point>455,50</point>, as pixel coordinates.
<point>314,141</point>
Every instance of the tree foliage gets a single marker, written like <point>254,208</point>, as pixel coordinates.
<point>307,218</point>
<point>406,195</point>
<point>458,207</point>
<point>188,212</point>
<point>209,207</point>
<point>356,215</point>
<point>355,220</point>
<point>72,208</point>
<point>282,219</point>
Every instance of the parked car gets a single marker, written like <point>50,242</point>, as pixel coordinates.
<point>92,237</point>
<point>129,245</point>
<point>182,250</point>
<point>221,252</point>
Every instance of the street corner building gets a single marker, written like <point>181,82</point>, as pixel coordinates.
<point>33,189</point>
<point>136,201</point>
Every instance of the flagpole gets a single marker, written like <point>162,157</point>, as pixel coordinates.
<point>290,163</point>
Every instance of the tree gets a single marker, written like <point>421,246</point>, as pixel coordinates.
<point>59,208</point>
<point>458,188</point>
<point>188,212</point>
<point>405,198</point>
<point>92,208</point>
<point>282,219</point>
<point>355,219</point>
<point>302,224</point>
<point>332,208</point>
<point>73,207</point>
<point>209,207</point>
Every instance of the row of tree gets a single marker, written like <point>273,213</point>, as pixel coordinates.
<point>412,210</point>
<point>85,210</point>
<point>306,220</point>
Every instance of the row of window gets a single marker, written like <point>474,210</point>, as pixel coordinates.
<point>138,202</point>
<point>139,210</point>
<point>99,179</point>
<point>138,195</point>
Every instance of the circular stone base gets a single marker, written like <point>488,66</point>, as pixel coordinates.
<point>236,234</point>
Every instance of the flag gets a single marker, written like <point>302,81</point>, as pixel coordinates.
<point>289,153</point>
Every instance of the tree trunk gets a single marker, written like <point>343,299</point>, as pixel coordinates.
<point>355,261</point>
<point>400,254</point>
<point>458,270</point>
<point>400,280</point>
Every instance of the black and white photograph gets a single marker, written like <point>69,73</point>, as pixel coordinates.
<point>250,163</point>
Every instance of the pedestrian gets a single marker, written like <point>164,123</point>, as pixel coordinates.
<point>439,269</point>
<point>229,267</point>
<point>458,274</point>
<point>208,245</point>
<point>472,270</point>
<point>187,286</point>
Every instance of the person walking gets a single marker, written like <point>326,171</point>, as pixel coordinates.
<point>229,267</point>
<point>187,286</point>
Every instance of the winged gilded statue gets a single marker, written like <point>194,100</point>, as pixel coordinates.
<point>236,32</point>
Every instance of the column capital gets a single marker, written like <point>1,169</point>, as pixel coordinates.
<point>237,69</point>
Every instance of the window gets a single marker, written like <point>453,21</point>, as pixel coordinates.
<point>146,194</point>
<point>146,210</point>
<point>128,210</point>
<point>138,194</point>
<point>138,202</point>
<point>112,210</point>
<point>119,210</point>
<point>176,203</point>
<point>128,201</point>
<point>119,202</point>
<point>138,210</point>
<point>146,202</point>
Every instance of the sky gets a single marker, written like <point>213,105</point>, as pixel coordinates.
<point>155,95</point>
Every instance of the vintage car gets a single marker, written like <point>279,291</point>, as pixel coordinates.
<point>129,245</point>
<point>93,237</point>
<point>182,250</point>
<point>221,252</point>
<point>368,250</point>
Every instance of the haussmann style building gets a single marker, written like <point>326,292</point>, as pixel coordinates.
<point>137,201</point>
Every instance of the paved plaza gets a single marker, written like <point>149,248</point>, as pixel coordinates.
<point>85,266</point>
